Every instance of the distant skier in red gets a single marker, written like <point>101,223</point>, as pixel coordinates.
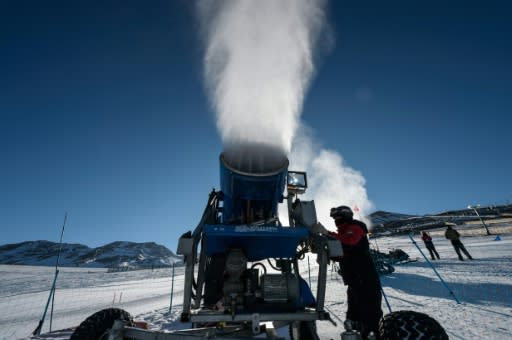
<point>429,245</point>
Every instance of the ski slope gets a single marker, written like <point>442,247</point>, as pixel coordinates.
<point>483,287</point>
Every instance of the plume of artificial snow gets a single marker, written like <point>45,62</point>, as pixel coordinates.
<point>258,64</point>
<point>331,182</point>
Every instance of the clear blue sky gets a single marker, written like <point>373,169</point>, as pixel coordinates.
<point>103,112</point>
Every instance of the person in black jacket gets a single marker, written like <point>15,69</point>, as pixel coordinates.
<point>358,272</point>
<point>454,237</point>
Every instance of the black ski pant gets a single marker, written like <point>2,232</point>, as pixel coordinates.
<point>432,250</point>
<point>364,307</point>
<point>458,246</point>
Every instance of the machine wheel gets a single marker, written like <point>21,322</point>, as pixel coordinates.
<point>410,325</point>
<point>98,324</point>
<point>307,331</point>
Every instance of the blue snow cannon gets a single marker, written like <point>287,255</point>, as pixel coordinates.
<point>248,261</point>
<point>248,216</point>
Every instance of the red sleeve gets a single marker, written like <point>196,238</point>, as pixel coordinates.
<point>351,235</point>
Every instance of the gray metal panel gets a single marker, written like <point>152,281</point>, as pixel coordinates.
<point>305,213</point>
<point>264,317</point>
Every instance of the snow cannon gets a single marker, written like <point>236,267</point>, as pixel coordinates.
<point>247,260</point>
<point>251,192</point>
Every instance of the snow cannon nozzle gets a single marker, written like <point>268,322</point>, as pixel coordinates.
<point>252,182</point>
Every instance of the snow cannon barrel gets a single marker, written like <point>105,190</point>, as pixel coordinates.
<point>252,184</point>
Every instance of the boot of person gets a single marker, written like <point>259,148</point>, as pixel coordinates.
<point>457,250</point>
<point>466,253</point>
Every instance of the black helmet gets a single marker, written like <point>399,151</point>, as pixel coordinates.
<point>342,213</point>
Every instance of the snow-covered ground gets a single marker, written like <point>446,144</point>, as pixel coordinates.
<point>483,287</point>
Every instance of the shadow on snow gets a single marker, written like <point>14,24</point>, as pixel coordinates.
<point>476,293</point>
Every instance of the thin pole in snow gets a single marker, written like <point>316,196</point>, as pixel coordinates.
<point>37,331</point>
<point>376,245</point>
<point>57,266</point>
<point>385,298</point>
<point>332,313</point>
<point>434,269</point>
<point>309,273</point>
<point>382,289</point>
<point>172,287</point>
<point>51,297</point>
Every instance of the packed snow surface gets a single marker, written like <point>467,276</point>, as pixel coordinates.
<point>483,286</point>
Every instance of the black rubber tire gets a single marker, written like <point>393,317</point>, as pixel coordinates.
<point>410,325</point>
<point>98,324</point>
<point>307,331</point>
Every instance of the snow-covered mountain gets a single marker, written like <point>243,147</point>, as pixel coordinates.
<point>118,254</point>
<point>385,222</point>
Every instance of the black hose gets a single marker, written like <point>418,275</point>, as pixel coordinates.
<point>260,264</point>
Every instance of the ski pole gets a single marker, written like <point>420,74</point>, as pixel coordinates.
<point>57,266</point>
<point>382,289</point>
<point>37,331</point>
<point>385,298</point>
<point>309,272</point>
<point>434,269</point>
<point>172,287</point>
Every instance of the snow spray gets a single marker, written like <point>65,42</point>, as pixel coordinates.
<point>258,64</point>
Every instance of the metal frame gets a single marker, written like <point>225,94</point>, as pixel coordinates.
<point>240,325</point>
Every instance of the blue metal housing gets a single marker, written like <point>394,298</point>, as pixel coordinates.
<point>250,196</point>
<point>258,242</point>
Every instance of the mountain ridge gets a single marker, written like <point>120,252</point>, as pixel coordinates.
<point>117,254</point>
